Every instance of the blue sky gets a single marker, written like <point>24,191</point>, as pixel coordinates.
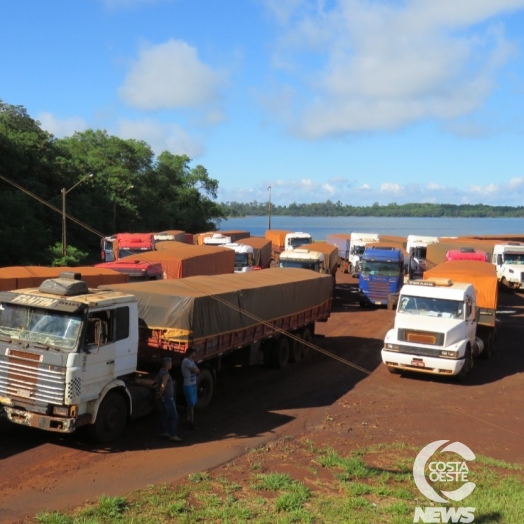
<point>358,101</point>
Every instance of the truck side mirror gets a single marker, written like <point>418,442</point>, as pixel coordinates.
<point>499,260</point>
<point>477,314</point>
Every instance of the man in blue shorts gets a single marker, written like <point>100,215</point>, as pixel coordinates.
<point>190,372</point>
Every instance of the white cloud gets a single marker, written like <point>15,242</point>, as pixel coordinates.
<point>329,188</point>
<point>61,127</point>
<point>391,187</point>
<point>171,76</point>
<point>516,182</point>
<point>161,137</point>
<point>432,186</point>
<point>383,65</point>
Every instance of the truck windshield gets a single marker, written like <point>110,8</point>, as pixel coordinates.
<point>241,260</point>
<point>431,307</point>
<point>376,267</point>
<point>297,242</point>
<point>52,328</point>
<point>514,258</point>
<point>301,264</point>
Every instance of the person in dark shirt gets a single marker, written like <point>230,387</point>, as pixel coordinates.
<point>168,416</point>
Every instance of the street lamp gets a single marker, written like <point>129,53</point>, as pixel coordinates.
<point>114,206</point>
<point>64,193</point>
<point>269,209</point>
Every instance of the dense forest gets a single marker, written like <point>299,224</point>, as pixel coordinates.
<point>338,209</point>
<point>130,190</point>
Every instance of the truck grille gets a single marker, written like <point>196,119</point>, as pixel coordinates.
<point>24,377</point>
<point>428,338</point>
<point>378,291</point>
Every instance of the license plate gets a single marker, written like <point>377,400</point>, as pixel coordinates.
<point>418,363</point>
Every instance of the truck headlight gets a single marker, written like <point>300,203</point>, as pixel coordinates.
<point>61,411</point>
<point>392,347</point>
<point>448,354</point>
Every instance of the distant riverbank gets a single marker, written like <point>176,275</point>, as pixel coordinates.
<point>320,227</point>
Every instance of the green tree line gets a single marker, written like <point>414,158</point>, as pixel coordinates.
<point>338,209</point>
<point>130,190</point>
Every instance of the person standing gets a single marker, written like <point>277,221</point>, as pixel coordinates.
<point>168,416</point>
<point>190,372</point>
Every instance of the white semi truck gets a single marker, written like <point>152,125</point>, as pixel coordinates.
<point>72,356</point>
<point>444,321</point>
<point>508,260</point>
<point>357,245</point>
<point>244,257</point>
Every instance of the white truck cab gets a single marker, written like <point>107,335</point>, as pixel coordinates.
<point>297,239</point>
<point>357,244</point>
<point>509,263</point>
<point>435,328</point>
<point>244,257</point>
<point>304,259</point>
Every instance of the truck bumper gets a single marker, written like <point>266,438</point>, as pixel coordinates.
<point>36,420</point>
<point>421,364</point>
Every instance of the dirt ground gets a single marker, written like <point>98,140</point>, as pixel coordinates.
<point>324,399</point>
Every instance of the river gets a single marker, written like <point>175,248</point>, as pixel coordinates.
<point>320,227</point>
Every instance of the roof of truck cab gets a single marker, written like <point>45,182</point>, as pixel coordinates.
<point>455,291</point>
<point>95,297</point>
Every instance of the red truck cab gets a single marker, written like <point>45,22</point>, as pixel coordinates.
<point>128,244</point>
<point>467,253</point>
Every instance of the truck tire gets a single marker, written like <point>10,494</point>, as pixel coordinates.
<point>205,388</point>
<point>297,347</point>
<point>111,418</point>
<point>466,368</point>
<point>307,339</point>
<point>491,346</point>
<point>280,353</point>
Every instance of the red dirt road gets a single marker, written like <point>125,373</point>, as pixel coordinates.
<point>321,397</point>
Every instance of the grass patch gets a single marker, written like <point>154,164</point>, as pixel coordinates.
<point>365,486</point>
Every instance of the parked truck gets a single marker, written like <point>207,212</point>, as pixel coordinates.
<point>467,253</point>
<point>444,321</point>
<point>244,257</point>
<point>282,240</point>
<point>184,260</point>
<point>128,244</point>
<point>320,257</point>
<point>357,245</point>
<point>262,252</point>
<point>417,247</point>
<point>508,260</point>
<point>71,356</point>
<point>381,276</point>
<point>343,243</point>
<point>107,248</point>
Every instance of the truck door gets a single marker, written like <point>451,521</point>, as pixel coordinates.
<point>108,350</point>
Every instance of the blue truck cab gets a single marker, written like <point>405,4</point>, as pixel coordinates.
<point>381,276</point>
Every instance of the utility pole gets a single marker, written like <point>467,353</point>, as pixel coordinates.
<point>269,209</point>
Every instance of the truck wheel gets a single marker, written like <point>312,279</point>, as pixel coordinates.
<point>205,388</point>
<point>490,348</point>
<point>466,368</point>
<point>297,348</point>
<point>307,339</point>
<point>111,418</point>
<point>280,353</point>
<point>362,303</point>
